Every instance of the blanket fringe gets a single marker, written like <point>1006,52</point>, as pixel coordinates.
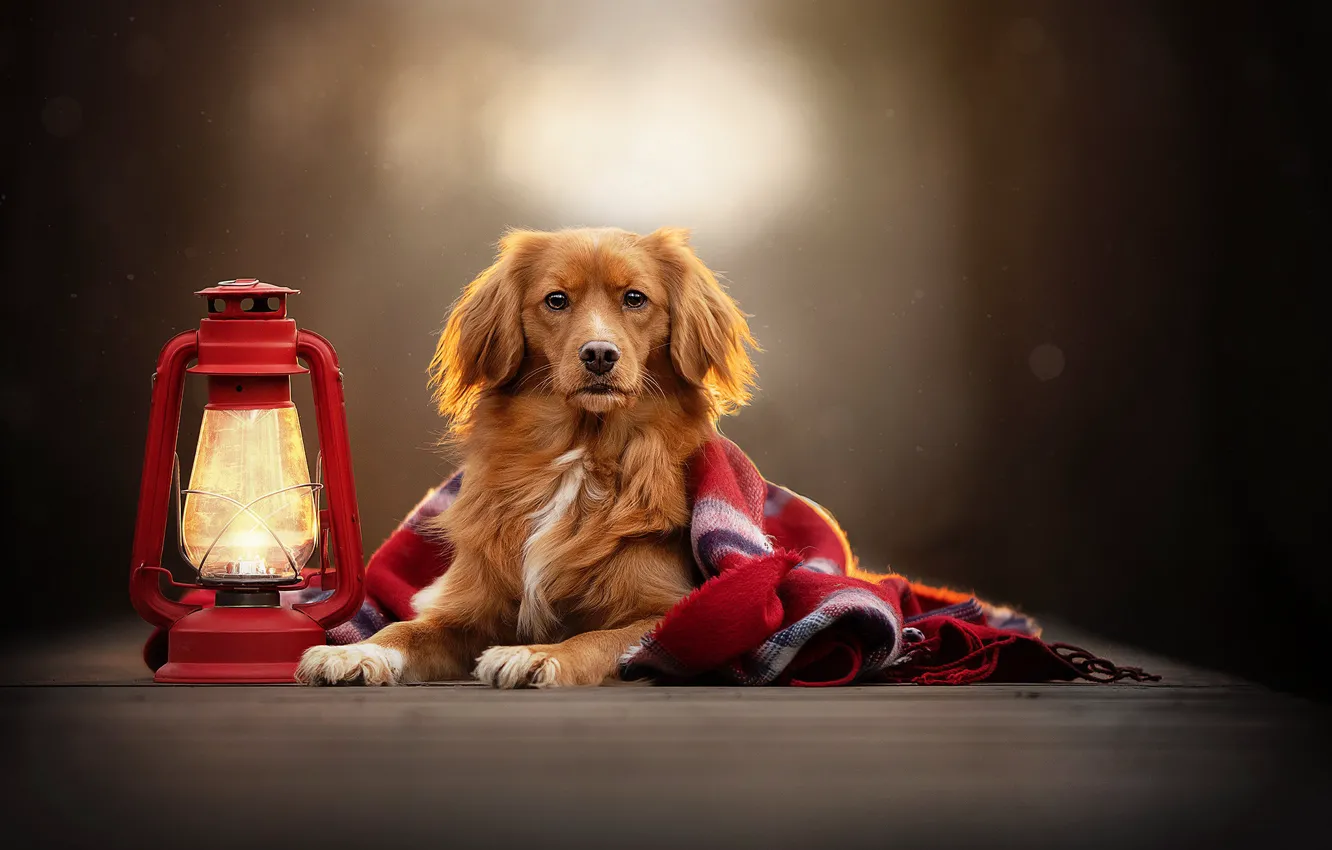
<point>982,663</point>
<point>976,665</point>
<point>1093,668</point>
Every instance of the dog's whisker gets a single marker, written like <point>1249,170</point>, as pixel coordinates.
<point>653,385</point>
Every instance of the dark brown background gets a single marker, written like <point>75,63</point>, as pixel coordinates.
<point>928,208</point>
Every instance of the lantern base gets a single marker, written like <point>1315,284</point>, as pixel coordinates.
<point>238,646</point>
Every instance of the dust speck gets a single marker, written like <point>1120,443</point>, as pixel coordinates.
<point>1046,361</point>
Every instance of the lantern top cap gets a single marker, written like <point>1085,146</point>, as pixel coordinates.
<point>245,287</point>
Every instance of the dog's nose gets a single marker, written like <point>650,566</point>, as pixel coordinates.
<point>598,356</point>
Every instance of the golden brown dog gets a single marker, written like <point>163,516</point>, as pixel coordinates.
<point>579,373</point>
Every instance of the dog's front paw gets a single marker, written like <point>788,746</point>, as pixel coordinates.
<point>518,667</point>
<point>357,663</point>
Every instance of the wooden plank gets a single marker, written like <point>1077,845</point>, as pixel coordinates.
<point>1201,758</point>
<point>475,767</point>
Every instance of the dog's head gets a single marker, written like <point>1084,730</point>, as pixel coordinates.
<point>597,318</point>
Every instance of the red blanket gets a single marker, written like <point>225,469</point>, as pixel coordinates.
<point>784,602</point>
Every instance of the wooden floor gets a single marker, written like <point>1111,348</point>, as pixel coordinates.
<point>97,756</point>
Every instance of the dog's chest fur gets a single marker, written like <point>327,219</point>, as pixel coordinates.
<point>572,488</point>
<point>583,534</point>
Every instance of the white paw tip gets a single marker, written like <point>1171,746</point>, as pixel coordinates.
<point>517,667</point>
<point>359,663</point>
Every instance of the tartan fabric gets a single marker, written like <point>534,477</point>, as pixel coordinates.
<point>783,601</point>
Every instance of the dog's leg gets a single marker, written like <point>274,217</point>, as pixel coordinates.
<point>439,644</point>
<point>418,650</point>
<point>586,659</point>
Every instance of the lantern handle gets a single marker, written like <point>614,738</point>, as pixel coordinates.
<point>339,485</point>
<point>155,484</point>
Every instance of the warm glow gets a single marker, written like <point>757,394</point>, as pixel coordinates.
<point>709,137</point>
<point>248,465</point>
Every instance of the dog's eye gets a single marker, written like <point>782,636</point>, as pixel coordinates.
<point>557,301</point>
<point>634,298</point>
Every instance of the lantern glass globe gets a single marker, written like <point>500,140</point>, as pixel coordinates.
<point>250,511</point>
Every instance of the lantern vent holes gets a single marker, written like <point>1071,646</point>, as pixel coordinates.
<point>271,304</point>
<point>261,305</point>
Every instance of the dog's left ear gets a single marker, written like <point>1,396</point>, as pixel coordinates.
<point>709,334</point>
<point>482,343</point>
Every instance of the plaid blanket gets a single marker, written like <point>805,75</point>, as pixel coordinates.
<point>783,603</point>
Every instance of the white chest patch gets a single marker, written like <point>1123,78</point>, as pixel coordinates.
<point>535,616</point>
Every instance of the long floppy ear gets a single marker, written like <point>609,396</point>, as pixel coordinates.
<point>708,332</point>
<point>481,346</point>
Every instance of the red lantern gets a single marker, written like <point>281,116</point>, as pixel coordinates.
<point>250,524</point>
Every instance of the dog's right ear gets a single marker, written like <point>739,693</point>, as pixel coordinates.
<point>709,334</point>
<point>481,346</point>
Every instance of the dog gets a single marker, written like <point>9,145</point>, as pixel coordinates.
<point>578,375</point>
